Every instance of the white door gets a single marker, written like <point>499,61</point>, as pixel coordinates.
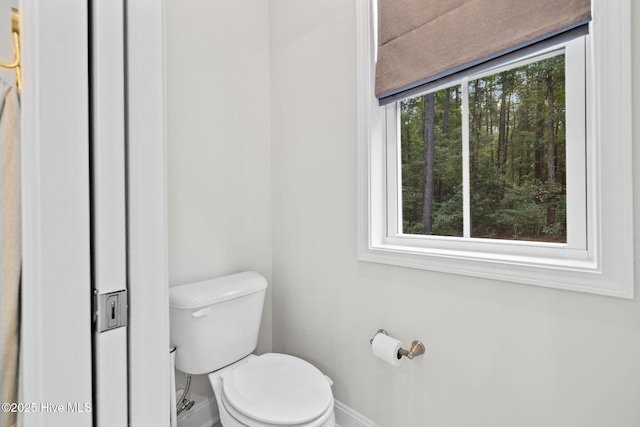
<point>131,372</point>
<point>74,213</point>
<point>56,297</point>
<point>108,216</point>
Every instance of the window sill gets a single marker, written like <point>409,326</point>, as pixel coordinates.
<point>582,275</point>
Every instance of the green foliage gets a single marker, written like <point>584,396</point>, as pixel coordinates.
<point>447,174</point>
<point>517,186</point>
<point>448,218</point>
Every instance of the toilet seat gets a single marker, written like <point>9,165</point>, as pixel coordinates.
<point>277,389</point>
<point>323,421</point>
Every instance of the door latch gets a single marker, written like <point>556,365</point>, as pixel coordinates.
<point>111,310</point>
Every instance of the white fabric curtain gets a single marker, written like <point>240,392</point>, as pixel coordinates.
<point>10,262</point>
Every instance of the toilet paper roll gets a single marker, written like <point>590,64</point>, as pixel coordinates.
<point>386,348</point>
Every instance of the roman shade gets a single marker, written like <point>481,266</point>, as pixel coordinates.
<point>422,43</point>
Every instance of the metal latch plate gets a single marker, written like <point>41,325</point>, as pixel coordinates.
<point>112,310</point>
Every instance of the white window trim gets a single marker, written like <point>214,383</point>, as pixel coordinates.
<point>607,267</point>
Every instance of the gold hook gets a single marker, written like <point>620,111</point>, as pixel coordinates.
<point>15,24</point>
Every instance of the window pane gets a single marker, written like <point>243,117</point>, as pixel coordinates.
<point>517,153</point>
<point>431,158</point>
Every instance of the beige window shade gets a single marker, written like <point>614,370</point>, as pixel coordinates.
<point>422,43</point>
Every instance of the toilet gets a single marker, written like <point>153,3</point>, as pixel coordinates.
<point>214,328</point>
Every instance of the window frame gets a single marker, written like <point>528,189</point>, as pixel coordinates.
<point>606,265</point>
<point>575,63</point>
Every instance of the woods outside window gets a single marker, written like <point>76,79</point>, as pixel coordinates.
<point>490,156</point>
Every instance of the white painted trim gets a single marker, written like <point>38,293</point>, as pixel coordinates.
<point>347,417</point>
<point>108,200</point>
<point>607,267</point>
<point>149,379</point>
<point>108,145</point>
<point>56,280</point>
<point>110,361</point>
<point>370,126</point>
<point>204,414</point>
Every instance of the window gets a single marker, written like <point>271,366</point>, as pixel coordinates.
<point>495,178</point>
<point>503,174</point>
<point>511,173</point>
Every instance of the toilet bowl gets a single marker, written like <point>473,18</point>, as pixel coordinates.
<point>214,328</point>
<point>273,390</point>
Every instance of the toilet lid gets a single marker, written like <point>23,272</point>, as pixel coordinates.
<point>278,389</point>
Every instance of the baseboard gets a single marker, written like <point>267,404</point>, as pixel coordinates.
<point>347,417</point>
<point>205,414</point>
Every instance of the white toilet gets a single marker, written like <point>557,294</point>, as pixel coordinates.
<point>214,327</point>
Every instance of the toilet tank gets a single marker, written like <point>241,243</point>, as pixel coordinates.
<point>215,322</point>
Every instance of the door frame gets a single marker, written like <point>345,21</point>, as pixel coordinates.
<point>56,283</point>
<point>149,362</point>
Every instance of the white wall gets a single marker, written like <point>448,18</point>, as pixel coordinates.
<point>498,354</point>
<point>219,171</point>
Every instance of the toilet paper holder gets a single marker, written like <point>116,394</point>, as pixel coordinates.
<point>416,349</point>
